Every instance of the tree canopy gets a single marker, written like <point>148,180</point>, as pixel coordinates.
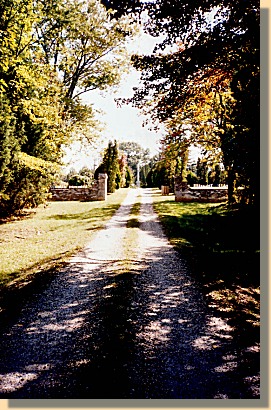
<point>205,74</point>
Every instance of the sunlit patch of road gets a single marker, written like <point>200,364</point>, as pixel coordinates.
<point>124,319</point>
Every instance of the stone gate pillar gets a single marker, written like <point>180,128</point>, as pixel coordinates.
<point>102,187</point>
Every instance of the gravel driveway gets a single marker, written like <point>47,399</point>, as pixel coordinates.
<point>124,319</point>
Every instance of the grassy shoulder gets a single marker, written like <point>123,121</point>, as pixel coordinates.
<point>221,248</point>
<point>46,237</point>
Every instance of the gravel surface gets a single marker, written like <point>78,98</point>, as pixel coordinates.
<point>124,319</point>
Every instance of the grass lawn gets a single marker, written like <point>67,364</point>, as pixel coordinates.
<point>222,251</point>
<point>46,237</point>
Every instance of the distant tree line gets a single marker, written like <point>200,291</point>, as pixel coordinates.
<point>161,172</point>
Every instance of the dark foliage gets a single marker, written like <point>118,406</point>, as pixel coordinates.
<point>227,40</point>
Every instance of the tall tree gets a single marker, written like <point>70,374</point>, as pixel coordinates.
<point>31,98</point>
<point>86,44</point>
<point>110,166</point>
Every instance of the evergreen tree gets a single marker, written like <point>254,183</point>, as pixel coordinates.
<point>143,174</point>
<point>217,176</point>
<point>129,177</point>
<point>191,178</point>
<point>122,170</point>
<point>202,171</point>
<point>110,166</point>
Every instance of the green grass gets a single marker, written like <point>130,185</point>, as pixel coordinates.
<point>130,263</point>
<point>133,221</point>
<point>221,248</point>
<point>208,226</point>
<point>46,237</point>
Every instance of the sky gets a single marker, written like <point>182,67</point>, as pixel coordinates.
<point>122,123</point>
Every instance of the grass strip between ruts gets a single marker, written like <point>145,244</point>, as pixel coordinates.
<point>129,260</point>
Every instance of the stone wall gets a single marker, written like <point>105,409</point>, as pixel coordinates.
<point>97,192</point>
<point>185,193</point>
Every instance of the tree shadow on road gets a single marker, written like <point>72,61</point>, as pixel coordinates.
<point>103,332</point>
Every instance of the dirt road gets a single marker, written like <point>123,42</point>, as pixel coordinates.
<point>124,319</point>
